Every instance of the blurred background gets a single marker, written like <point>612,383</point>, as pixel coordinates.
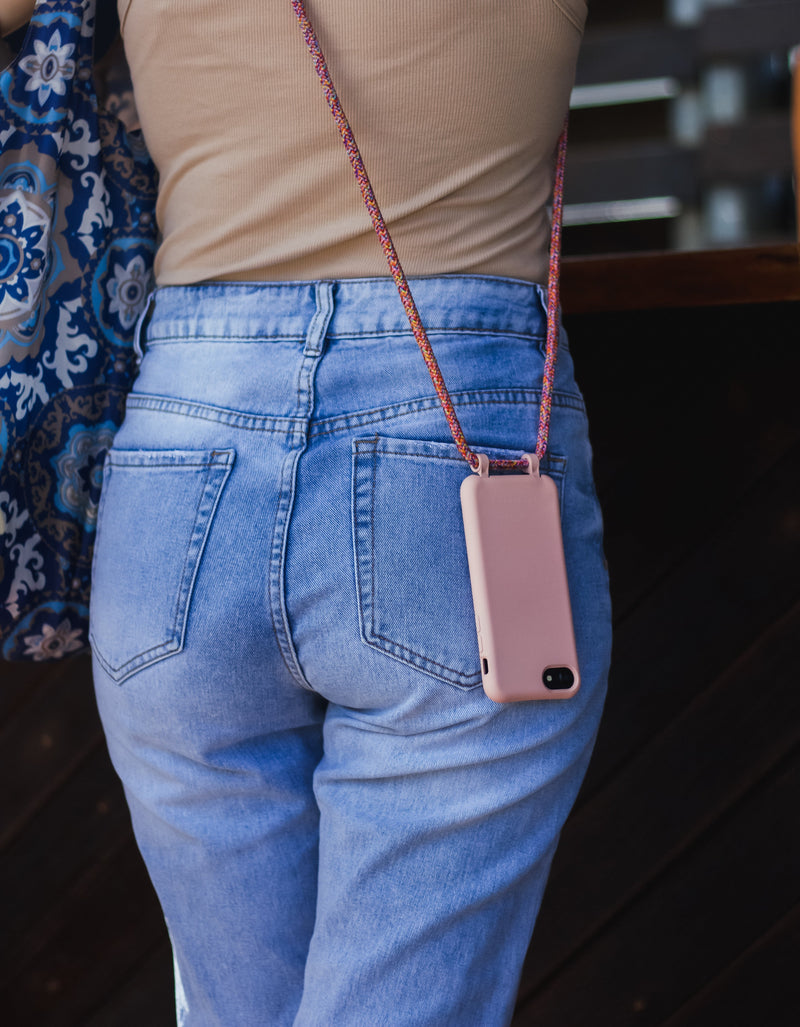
<point>680,126</point>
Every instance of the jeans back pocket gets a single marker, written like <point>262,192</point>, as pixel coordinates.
<point>414,596</point>
<point>155,514</point>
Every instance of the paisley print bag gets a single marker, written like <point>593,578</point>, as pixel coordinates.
<point>77,239</point>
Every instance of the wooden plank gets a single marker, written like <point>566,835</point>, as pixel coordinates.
<point>648,50</point>
<point>636,365</point>
<point>18,683</point>
<point>624,11</point>
<point>761,987</point>
<point>615,169</point>
<point>91,940</point>
<point>85,817</point>
<point>648,281</point>
<point>754,148</point>
<point>707,909</point>
<point>652,235</point>
<point>706,479</point>
<point>744,29</point>
<point>671,792</point>
<point>630,170</point>
<point>41,746</point>
<point>146,998</point>
<point>630,122</point>
<point>710,608</point>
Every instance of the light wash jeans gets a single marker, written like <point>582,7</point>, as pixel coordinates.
<point>342,829</point>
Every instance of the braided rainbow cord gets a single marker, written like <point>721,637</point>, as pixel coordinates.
<point>401,281</point>
<point>553,304</point>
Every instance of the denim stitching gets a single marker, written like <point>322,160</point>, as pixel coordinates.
<point>547,462</point>
<point>179,598</point>
<point>343,422</point>
<point>441,331</point>
<point>191,338</point>
<point>309,363</point>
<point>173,644</point>
<point>276,567</point>
<point>562,400</point>
<point>357,549</point>
<point>312,354</point>
<point>221,462</point>
<point>395,332</point>
<point>207,412</point>
<point>395,647</point>
<point>277,574</point>
<point>204,516</point>
<point>372,535</point>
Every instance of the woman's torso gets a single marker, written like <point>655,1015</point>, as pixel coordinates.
<point>456,109</point>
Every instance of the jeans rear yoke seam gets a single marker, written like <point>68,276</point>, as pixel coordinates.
<point>345,422</point>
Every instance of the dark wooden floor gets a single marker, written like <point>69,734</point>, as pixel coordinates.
<point>675,894</point>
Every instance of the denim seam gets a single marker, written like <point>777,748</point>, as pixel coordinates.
<point>312,354</point>
<point>345,422</point>
<point>318,327</point>
<point>207,412</point>
<point>355,518</point>
<point>180,598</point>
<point>200,529</point>
<point>441,331</point>
<point>547,463</point>
<point>277,572</point>
<point>144,465</point>
<point>277,627</point>
<point>192,337</point>
<point>394,332</point>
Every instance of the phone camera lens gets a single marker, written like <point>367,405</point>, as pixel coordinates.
<point>558,678</point>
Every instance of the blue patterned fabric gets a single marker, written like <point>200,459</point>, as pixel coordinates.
<point>77,240</point>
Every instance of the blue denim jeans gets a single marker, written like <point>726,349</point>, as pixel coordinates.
<point>342,829</point>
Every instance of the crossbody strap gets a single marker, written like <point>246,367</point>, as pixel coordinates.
<point>397,273</point>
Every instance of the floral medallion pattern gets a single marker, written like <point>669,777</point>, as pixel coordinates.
<point>24,246</point>
<point>128,289</point>
<point>79,471</point>
<point>50,67</point>
<point>54,642</point>
<point>48,634</point>
<point>77,239</point>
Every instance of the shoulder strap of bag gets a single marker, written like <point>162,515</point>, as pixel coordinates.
<point>396,270</point>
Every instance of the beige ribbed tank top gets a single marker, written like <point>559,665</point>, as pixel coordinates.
<point>456,106</point>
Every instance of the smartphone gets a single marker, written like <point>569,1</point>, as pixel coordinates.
<point>512,525</point>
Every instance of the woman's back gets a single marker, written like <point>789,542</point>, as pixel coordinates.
<point>456,109</point>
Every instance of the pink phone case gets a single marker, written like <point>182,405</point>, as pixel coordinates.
<point>523,615</point>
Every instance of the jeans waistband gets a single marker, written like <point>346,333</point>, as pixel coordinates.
<point>360,307</point>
